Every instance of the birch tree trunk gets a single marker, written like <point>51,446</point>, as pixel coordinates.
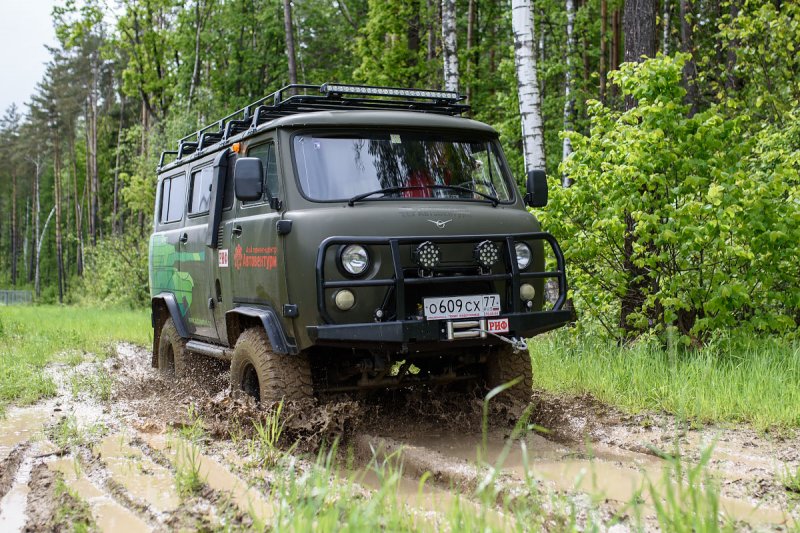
<point>528,84</point>
<point>569,100</point>
<point>289,34</point>
<point>449,45</point>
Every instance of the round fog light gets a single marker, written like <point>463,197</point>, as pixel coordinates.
<point>527,292</point>
<point>345,300</point>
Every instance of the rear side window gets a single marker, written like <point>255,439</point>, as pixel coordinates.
<point>266,153</point>
<point>200,191</point>
<point>173,194</point>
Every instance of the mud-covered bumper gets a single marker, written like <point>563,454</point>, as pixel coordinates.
<point>423,331</point>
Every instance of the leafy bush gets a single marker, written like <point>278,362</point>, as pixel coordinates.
<point>680,223</point>
<point>116,271</point>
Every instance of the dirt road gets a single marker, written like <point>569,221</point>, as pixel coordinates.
<point>123,449</point>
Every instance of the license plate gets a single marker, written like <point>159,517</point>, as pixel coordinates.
<point>455,307</point>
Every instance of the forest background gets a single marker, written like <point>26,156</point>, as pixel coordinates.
<point>668,129</point>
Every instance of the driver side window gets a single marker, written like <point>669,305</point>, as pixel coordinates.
<point>266,153</point>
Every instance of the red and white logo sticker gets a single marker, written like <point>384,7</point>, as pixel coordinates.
<point>223,258</point>
<point>497,325</point>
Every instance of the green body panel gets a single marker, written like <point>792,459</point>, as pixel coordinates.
<point>265,269</point>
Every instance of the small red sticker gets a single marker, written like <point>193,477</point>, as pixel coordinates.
<point>223,258</point>
<point>497,325</point>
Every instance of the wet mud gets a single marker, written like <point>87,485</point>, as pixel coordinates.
<point>125,459</point>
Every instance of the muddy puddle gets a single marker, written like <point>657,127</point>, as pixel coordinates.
<point>152,454</point>
<point>614,475</point>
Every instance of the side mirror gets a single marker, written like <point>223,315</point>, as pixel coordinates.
<point>248,179</point>
<point>537,189</point>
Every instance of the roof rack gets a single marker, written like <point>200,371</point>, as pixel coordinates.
<point>302,98</point>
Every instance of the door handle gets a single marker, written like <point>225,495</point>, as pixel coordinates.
<point>184,238</point>
<point>236,231</point>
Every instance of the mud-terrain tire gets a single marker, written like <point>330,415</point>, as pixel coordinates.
<point>503,365</point>
<point>173,360</point>
<point>265,375</point>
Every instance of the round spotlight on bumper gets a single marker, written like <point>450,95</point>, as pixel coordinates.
<point>427,255</point>
<point>527,292</point>
<point>524,255</point>
<point>344,300</point>
<point>486,254</point>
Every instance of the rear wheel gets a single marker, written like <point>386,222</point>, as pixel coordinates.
<point>503,365</point>
<point>266,376</point>
<point>173,359</point>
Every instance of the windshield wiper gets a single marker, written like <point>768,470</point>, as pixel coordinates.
<point>384,191</point>
<point>389,190</point>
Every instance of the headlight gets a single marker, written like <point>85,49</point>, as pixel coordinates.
<point>524,255</point>
<point>355,259</point>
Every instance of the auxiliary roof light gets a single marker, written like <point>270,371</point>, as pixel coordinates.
<point>329,88</point>
<point>486,254</point>
<point>427,255</point>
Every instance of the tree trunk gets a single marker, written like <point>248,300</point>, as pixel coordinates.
<point>196,67</point>
<point>59,236</point>
<point>93,161</point>
<point>569,101</point>
<point>640,29</point>
<point>40,238</point>
<point>25,244</point>
<point>115,213</point>
<point>78,211</point>
<point>14,228</point>
<point>528,84</point>
<point>640,42</point>
<point>471,66</point>
<point>449,45</point>
<point>430,10</point>
<point>289,35</point>
<point>687,47</point>
<point>603,48</point>
<point>37,209</point>
<point>665,29</point>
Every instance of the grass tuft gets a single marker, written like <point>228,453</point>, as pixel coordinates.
<point>33,336</point>
<point>733,380</point>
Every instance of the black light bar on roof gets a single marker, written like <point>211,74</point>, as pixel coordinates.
<point>334,88</point>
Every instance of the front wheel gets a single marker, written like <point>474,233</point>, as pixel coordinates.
<point>504,365</point>
<point>172,358</point>
<point>266,376</point>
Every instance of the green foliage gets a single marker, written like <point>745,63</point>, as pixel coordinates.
<point>715,211</point>
<point>116,272</point>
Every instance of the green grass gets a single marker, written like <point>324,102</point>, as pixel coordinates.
<point>33,336</point>
<point>750,380</point>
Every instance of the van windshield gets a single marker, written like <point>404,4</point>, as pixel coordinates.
<point>339,166</point>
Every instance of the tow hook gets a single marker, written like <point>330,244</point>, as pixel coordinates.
<point>518,343</point>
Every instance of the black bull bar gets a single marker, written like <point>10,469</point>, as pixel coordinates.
<point>521,321</point>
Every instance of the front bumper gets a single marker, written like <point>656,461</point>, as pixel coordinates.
<point>422,331</point>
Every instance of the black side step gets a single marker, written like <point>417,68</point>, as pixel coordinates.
<point>211,350</point>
